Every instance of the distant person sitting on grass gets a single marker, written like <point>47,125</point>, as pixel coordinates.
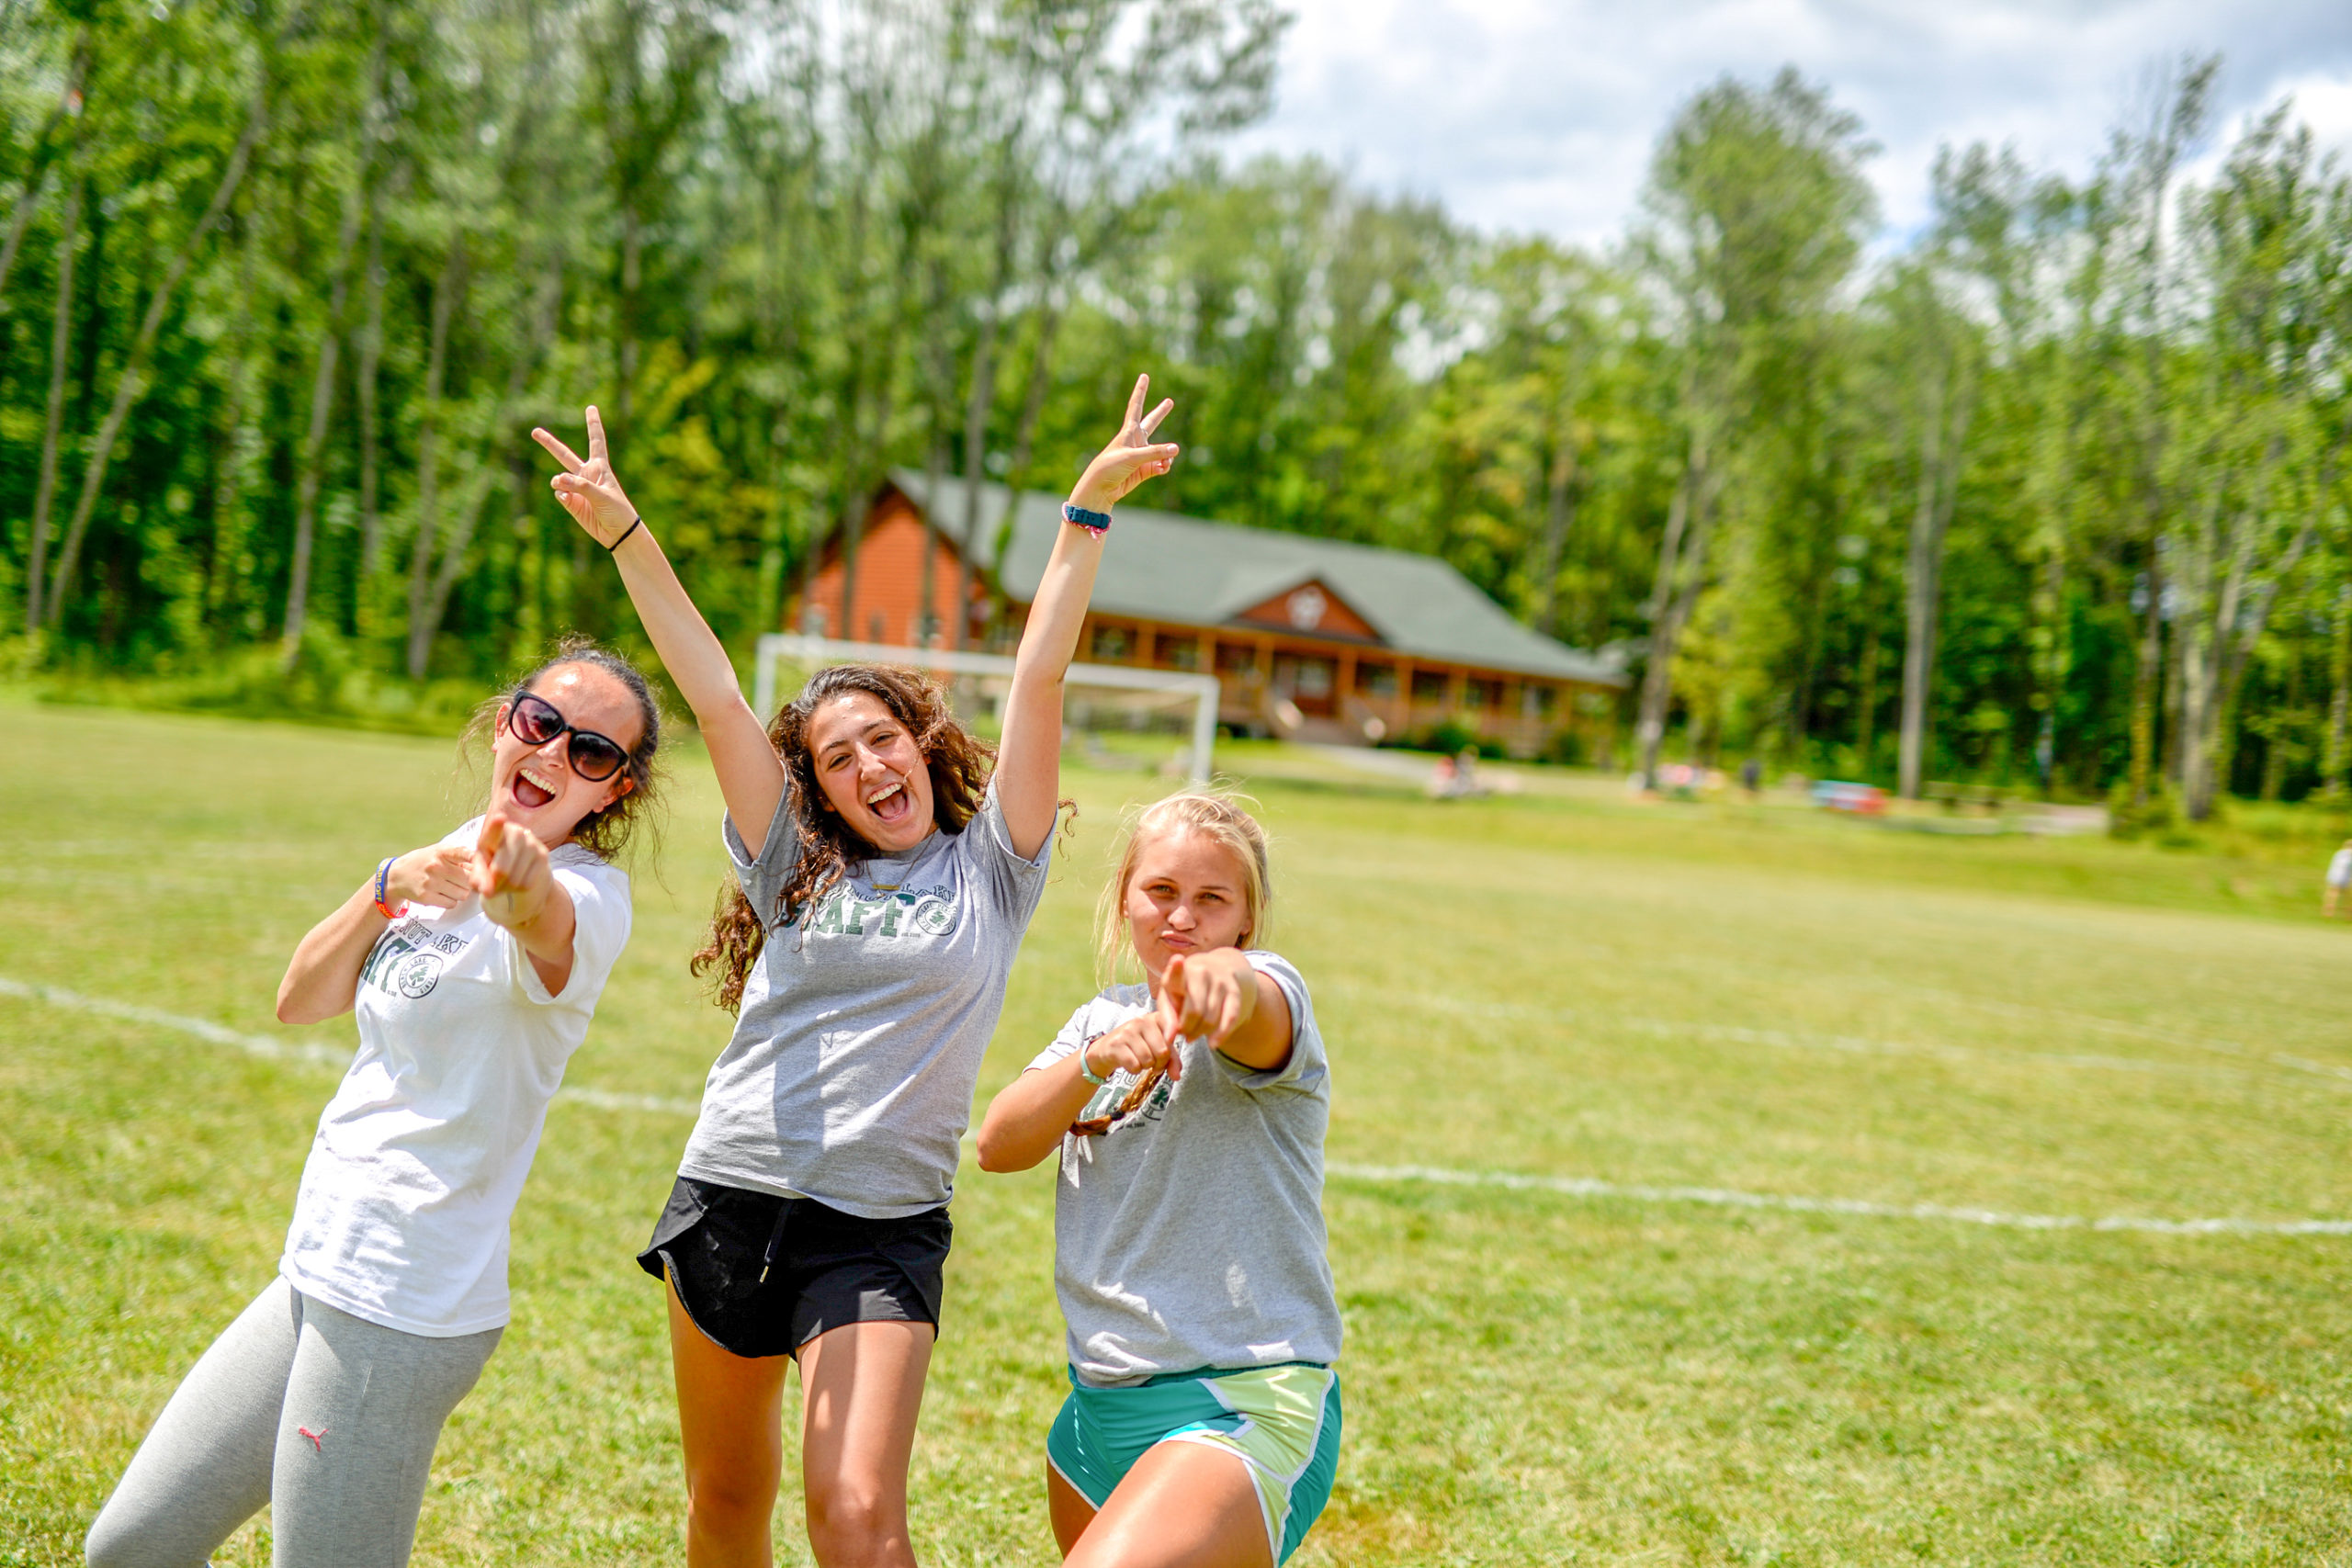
<point>884,874</point>
<point>2339,874</point>
<point>1202,1423</point>
<point>474,965</point>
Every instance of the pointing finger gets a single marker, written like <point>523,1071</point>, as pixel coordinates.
<point>595,433</point>
<point>558,450</point>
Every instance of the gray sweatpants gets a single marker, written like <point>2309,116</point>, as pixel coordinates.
<point>327,1417</point>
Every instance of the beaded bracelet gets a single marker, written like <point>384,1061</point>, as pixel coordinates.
<point>383,900</point>
<point>1095,522</point>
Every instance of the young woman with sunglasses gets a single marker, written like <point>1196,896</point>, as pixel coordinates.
<point>884,874</point>
<point>474,965</point>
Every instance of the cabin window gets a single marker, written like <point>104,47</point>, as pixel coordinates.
<point>1429,685</point>
<point>1376,680</point>
<point>1536,700</point>
<point>1236,659</point>
<point>1110,644</point>
<point>1181,652</point>
<point>1478,694</point>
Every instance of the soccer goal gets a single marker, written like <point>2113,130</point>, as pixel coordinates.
<point>1103,704</point>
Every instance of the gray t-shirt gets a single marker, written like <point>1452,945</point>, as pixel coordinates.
<point>850,1076</point>
<point>1191,1234</point>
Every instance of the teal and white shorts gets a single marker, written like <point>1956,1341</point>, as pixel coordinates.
<point>1283,1422</point>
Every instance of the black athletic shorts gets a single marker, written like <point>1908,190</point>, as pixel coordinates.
<point>763,1275</point>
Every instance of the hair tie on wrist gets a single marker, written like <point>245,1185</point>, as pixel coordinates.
<point>1095,522</point>
<point>1086,1068</point>
<point>635,523</point>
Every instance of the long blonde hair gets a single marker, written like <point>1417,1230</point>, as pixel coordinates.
<point>1220,816</point>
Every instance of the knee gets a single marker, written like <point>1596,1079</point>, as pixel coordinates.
<point>853,1523</point>
<point>730,1499</point>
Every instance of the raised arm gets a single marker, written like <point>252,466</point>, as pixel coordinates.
<point>750,775</point>
<point>1029,759</point>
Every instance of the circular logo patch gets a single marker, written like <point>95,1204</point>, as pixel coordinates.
<point>417,975</point>
<point>934,917</point>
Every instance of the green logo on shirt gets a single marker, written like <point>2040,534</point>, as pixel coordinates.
<point>928,911</point>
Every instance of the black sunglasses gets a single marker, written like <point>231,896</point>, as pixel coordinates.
<point>536,721</point>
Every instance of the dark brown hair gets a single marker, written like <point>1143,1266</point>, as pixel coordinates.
<point>608,831</point>
<point>959,764</point>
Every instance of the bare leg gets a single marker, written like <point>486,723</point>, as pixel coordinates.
<point>861,1391</point>
<point>730,1418</point>
<point>1182,1505</point>
<point>1069,1509</point>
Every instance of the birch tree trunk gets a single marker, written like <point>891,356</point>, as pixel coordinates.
<point>1942,437</point>
<point>2146,669</point>
<point>314,439</point>
<point>228,529</point>
<point>61,346</point>
<point>371,356</point>
<point>1681,570</point>
<point>2340,705</point>
<point>69,104</point>
<point>447,289</point>
<point>1559,513</point>
<point>425,623</point>
<point>131,379</point>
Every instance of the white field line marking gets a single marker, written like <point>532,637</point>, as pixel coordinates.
<point>1853,1045</point>
<point>1573,1186</point>
<point>1725,1198</point>
<point>2144,1031</point>
<point>310,1051</point>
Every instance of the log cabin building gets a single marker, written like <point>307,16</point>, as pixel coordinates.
<point>1310,639</point>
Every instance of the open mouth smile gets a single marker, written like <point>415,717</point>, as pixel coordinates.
<point>530,789</point>
<point>891,803</point>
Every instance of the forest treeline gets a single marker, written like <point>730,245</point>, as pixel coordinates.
<point>2049,492</point>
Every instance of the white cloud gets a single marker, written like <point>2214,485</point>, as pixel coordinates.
<point>1540,115</point>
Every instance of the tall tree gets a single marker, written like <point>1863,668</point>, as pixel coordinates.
<point>1754,207</point>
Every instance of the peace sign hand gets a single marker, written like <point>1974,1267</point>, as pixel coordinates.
<point>589,490</point>
<point>1130,458</point>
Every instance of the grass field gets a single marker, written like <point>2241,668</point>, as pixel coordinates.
<point>1557,985</point>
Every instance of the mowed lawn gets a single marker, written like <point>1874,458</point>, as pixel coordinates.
<point>1558,985</point>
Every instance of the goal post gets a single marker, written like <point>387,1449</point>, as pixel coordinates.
<point>776,649</point>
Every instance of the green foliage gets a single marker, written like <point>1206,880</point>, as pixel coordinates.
<point>785,246</point>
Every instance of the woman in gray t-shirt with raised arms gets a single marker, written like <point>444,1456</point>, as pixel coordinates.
<point>1202,1423</point>
<point>884,874</point>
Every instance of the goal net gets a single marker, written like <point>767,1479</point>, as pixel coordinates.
<point>1115,715</point>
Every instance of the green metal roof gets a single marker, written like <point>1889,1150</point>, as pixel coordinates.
<point>1164,566</point>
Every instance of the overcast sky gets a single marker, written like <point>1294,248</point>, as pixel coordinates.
<point>1541,114</point>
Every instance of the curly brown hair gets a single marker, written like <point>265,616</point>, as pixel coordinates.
<point>959,761</point>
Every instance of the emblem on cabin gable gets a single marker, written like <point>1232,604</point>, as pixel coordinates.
<point>1305,607</point>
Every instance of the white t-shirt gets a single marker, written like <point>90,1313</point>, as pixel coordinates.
<point>421,1154</point>
<point>2339,868</point>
